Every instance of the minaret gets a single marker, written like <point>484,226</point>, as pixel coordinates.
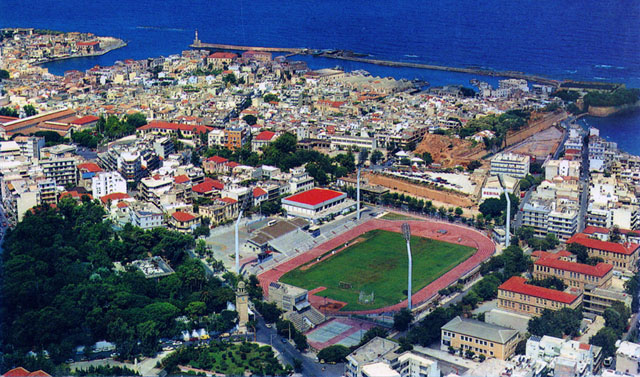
<point>242,307</point>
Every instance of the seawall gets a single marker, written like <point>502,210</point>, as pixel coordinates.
<point>605,111</point>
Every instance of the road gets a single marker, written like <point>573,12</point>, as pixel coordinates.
<point>584,182</point>
<point>288,353</point>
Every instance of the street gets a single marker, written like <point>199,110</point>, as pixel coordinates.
<point>288,352</point>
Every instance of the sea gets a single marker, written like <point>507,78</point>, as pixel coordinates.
<point>594,40</point>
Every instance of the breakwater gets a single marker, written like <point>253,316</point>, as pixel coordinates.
<point>361,58</point>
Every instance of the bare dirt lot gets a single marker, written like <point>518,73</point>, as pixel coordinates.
<point>450,151</point>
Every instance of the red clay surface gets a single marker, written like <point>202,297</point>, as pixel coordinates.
<point>457,234</point>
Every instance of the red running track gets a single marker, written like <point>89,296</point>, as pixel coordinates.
<point>425,228</point>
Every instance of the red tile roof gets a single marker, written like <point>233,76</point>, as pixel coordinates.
<point>585,347</point>
<point>86,119</point>
<point>232,164</point>
<point>599,270</point>
<point>6,119</point>
<point>258,192</point>
<point>90,43</point>
<point>228,200</point>
<point>181,179</point>
<point>114,196</point>
<point>217,159</point>
<point>183,216</point>
<point>596,244</point>
<point>123,205</point>
<point>265,135</point>
<point>90,167</point>
<point>314,196</point>
<point>517,284</point>
<point>157,124</point>
<point>223,55</point>
<point>208,185</point>
<point>39,373</point>
<point>17,372</point>
<point>595,229</point>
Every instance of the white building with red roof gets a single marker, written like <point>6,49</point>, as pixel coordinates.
<point>219,59</point>
<point>259,196</point>
<point>262,139</point>
<point>86,122</point>
<point>317,204</point>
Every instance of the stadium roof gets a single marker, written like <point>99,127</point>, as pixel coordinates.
<point>314,196</point>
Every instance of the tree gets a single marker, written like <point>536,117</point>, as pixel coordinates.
<point>270,97</point>
<point>491,208</point>
<point>580,251</point>
<point>458,211</point>
<point>29,110</point>
<point>376,156</point>
<point>9,112</point>
<point>269,310</point>
<point>605,338</point>
<point>427,158</point>
<point>334,354</point>
<point>135,120</point>
<point>196,309</point>
<point>229,79</point>
<point>372,333</point>
<point>4,74</point>
<point>473,165</point>
<point>250,119</point>
<point>402,319</point>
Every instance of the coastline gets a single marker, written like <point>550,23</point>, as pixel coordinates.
<point>607,111</point>
<point>110,48</point>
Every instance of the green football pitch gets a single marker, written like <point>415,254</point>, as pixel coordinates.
<point>377,262</point>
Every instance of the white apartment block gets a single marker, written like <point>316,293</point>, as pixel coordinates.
<point>511,164</point>
<point>105,183</point>
<point>553,208</point>
<point>612,202</point>
<point>217,138</point>
<point>346,141</point>
<point>147,217</point>
<point>563,168</point>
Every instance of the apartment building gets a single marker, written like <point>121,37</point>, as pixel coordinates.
<point>566,357</point>
<point>553,208</point>
<point>184,222</point>
<point>563,168</point>
<point>236,137</point>
<point>287,297</point>
<point>104,183</point>
<point>575,275</point>
<point>623,257</point>
<point>62,170</point>
<point>518,296</point>
<point>480,337</point>
<point>146,217</point>
<point>511,164</point>
<point>19,196</point>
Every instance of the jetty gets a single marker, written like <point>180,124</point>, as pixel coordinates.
<point>361,58</point>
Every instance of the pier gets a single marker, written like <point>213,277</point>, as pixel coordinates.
<point>350,56</point>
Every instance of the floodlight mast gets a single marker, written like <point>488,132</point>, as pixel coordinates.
<point>508,222</point>
<point>358,195</point>
<point>238,245</point>
<point>406,231</point>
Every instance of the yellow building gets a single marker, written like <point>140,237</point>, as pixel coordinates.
<point>623,257</point>
<point>517,296</point>
<point>479,337</point>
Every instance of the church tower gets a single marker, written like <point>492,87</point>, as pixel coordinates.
<point>242,307</point>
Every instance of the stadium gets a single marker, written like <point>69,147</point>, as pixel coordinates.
<point>364,270</point>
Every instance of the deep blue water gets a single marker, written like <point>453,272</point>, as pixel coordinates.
<point>585,40</point>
